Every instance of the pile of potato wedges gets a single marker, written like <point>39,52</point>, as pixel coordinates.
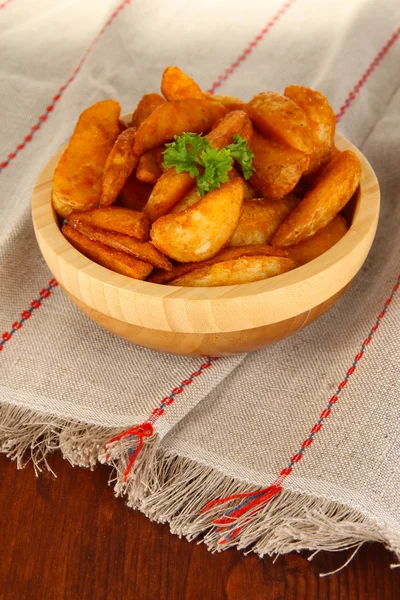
<point>122,209</point>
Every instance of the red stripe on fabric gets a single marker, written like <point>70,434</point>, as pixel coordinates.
<point>44,117</point>
<point>26,314</point>
<point>250,47</point>
<point>367,74</point>
<point>146,429</point>
<point>264,496</point>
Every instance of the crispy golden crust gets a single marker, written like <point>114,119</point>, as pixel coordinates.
<point>168,190</point>
<point>174,118</point>
<point>146,106</point>
<point>333,189</point>
<point>260,219</point>
<point>200,231</point>
<point>117,219</point>
<point>78,176</point>
<point>323,122</point>
<point>278,118</point>
<point>159,276</point>
<point>277,168</point>
<point>176,85</point>
<point>149,169</point>
<point>117,261</point>
<point>120,163</point>
<point>320,242</point>
<point>234,272</point>
<point>223,131</point>
<point>142,250</point>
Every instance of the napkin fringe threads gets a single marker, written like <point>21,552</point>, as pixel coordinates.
<point>174,489</point>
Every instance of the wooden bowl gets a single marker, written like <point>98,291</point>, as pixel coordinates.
<point>208,321</point>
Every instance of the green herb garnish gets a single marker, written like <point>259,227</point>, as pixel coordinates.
<point>190,151</point>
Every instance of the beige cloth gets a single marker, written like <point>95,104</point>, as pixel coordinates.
<point>66,383</point>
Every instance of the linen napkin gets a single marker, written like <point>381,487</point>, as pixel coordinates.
<point>310,421</point>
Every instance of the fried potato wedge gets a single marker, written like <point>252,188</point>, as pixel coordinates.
<point>149,168</point>
<point>333,189</point>
<point>176,85</point>
<point>193,196</point>
<point>120,163</point>
<point>279,118</point>
<point>323,122</point>
<point>134,194</point>
<point>260,219</point>
<point>142,250</point>
<point>234,272</point>
<point>162,276</point>
<point>115,218</point>
<point>229,101</point>
<point>223,130</point>
<point>117,261</point>
<point>308,180</point>
<point>168,190</point>
<point>320,242</point>
<point>174,118</point>
<point>77,182</point>
<point>198,232</point>
<point>146,106</point>
<point>277,169</point>
<point>172,187</point>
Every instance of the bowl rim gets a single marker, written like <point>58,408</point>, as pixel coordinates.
<point>286,295</point>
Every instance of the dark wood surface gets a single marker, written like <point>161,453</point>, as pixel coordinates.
<point>70,539</point>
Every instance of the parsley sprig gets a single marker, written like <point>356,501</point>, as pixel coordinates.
<point>194,154</point>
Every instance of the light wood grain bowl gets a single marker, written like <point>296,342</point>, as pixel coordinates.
<point>208,321</point>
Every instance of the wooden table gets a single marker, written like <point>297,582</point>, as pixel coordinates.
<point>70,539</point>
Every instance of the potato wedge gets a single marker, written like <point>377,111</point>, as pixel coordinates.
<point>176,85</point>
<point>142,250</point>
<point>162,276</point>
<point>234,272</point>
<point>168,190</point>
<point>149,169</point>
<point>117,261</point>
<point>200,231</point>
<point>193,196</point>
<point>229,101</point>
<point>320,242</point>
<point>134,194</point>
<point>172,186</point>
<point>120,163</point>
<point>323,122</point>
<point>78,176</point>
<point>115,218</point>
<point>260,219</point>
<point>278,118</point>
<point>308,180</point>
<point>277,168</point>
<point>146,106</point>
<point>334,188</point>
<point>223,130</point>
<point>174,118</point>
